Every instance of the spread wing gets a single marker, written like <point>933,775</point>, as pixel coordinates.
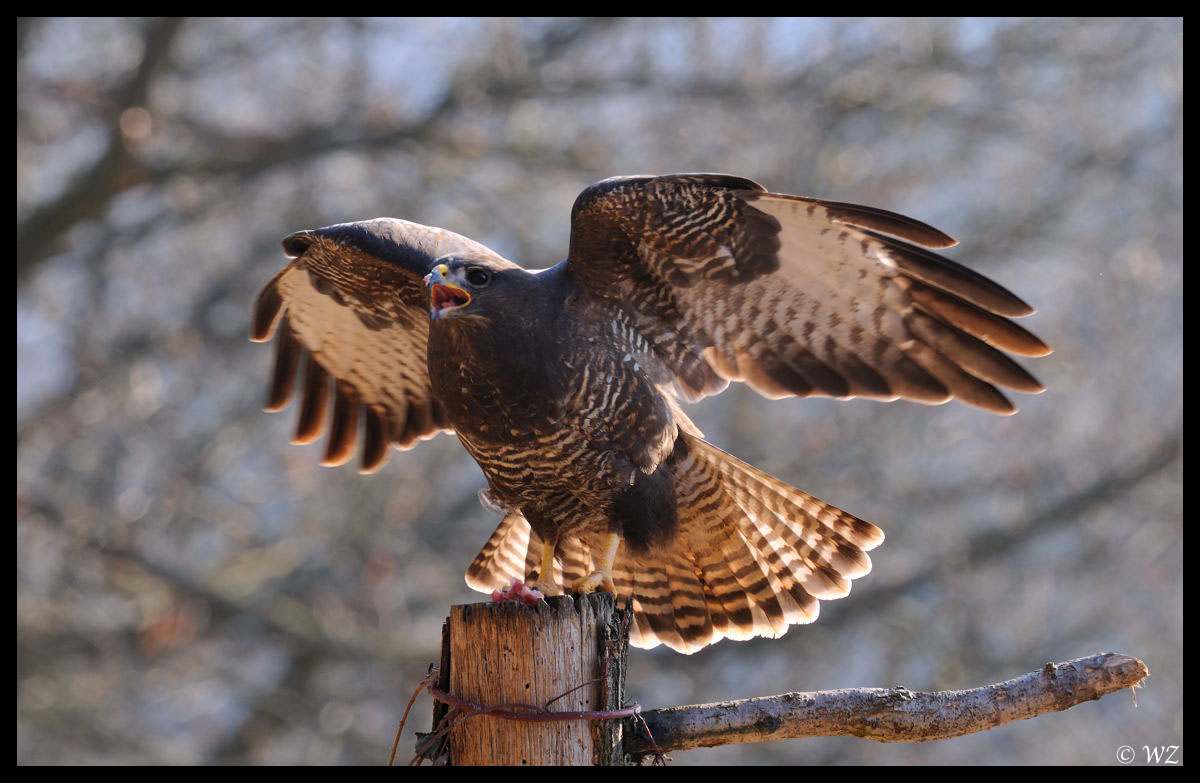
<point>795,296</point>
<point>351,309</point>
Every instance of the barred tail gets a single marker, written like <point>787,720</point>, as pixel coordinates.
<point>514,551</point>
<point>752,556</point>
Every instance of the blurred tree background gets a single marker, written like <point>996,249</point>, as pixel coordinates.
<point>193,589</point>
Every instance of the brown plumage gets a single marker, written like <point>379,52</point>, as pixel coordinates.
<point>562,384</point>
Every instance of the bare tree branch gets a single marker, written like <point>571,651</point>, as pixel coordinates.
<point>889,714</point>
<point>89,194</point>
<point>1064,511</point>
<point>119,168</point>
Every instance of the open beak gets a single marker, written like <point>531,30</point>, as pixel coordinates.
<point>444,296</point>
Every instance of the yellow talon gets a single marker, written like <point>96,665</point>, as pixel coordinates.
<point>595,583</point>
<point>545,577</point>
<point>601,581</point>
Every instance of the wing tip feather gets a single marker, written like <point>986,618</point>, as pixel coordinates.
<point>267,308</point>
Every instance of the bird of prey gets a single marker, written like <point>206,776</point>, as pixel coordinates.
<point>564,384</point>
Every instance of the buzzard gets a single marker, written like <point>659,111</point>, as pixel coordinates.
<point>564,383</point>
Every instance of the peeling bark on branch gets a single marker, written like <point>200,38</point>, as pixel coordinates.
<point>889,714</point>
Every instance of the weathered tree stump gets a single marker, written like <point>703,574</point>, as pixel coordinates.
<point>566,655</point>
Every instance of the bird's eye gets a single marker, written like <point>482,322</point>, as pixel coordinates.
<point>478,277</point>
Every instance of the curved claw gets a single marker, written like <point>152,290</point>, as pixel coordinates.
<point>597,582</point>
<point>548,589</point>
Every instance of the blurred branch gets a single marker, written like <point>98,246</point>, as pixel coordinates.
<point>994,543</point>
<point>118,169</point>
<point>502,87</point>
<point>888,714</point>
<point>91,191</point>
<point>221,608</point>
<point>25,25</point>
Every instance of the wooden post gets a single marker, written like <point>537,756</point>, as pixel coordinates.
<point>509,653</point>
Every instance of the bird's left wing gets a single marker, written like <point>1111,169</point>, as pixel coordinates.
<point>351,308</point>
<point>795,296</point>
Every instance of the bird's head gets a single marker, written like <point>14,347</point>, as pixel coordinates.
<point>458,280</point>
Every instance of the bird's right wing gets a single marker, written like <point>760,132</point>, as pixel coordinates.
<point>352,307</point>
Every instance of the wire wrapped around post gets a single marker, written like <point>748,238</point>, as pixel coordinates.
<point>534,685</point>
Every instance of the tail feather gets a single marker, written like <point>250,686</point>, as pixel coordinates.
<point>781,562</point>
<point>752,556</point>
<point>710,571</point>
<point>514,551</point>
<point>505,556</point>
<point>692,619</point>
<point>653,603</point>
<point>761,552</point>
<point>574,560</point>
<point>711,517</point>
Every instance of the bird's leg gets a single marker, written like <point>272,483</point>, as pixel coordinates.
<point>601,581</point>
<point>545,577</point>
